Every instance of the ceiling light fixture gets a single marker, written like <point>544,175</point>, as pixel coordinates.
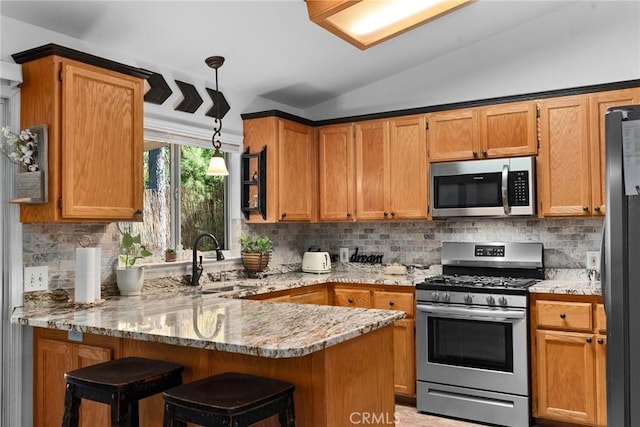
<point>216,164</point>
<point>365,23</point>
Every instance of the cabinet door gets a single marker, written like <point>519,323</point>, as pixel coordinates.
<point>408,168</point>
<point>509,130</point>
<point>404,357</point>
<point>453,135</point>
<point>101,143</point>
<point>564,182</point>
<point>296,160</point>
<point>601,379</point>
<point>52,359</point>
<point>372,194</point>
<point>336,166</point>
<point>598,107</point>
<point>566,376</point>
<point>317,296</point>
<point>352,298</point>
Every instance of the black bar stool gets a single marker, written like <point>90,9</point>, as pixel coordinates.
<point>120,383</point>
<point>229,399</point>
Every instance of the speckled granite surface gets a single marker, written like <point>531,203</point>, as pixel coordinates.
<point>567,287</point>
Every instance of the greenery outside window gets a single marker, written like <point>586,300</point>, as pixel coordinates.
<point>177,210</point>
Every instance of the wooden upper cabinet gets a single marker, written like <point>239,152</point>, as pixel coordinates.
<point>372,143</point>
<point>599,103</point>
<point>453,135</point>
<point>336,172</point>
<point>95,137</point>
<point>290,170</point>
<point>509,130</point>
<point>564,180</point>
<point>391,169</point>
<point>502,130</point>
<point>296,172</point>
<point>408,168</point>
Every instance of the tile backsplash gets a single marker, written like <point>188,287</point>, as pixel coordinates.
<point>566,241</point>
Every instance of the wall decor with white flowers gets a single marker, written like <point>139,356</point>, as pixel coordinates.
<point>28,150</point>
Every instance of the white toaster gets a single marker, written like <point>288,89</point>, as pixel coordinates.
<point>316,262</point>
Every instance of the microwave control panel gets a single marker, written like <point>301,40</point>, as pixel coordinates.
<point>518,188</point>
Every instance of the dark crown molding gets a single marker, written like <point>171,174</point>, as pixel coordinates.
<point>65,52</point>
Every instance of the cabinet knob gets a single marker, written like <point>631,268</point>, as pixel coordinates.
<point>391,303</point>
<point>484,153</point>
<point>475,154</point>
<point>350,300</point>
<point>585,208</point>
<point>562,315</point>
<point>600,341</point>
<point>597,209</point>
<point>589,340</point>
<point>348,214</point>
<point>393,213</point>
<point>284,215</point>
<point>386,214</point>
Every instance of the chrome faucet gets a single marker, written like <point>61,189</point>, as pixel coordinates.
<point>196,267</point>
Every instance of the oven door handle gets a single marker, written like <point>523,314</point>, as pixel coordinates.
<point>473,313</point>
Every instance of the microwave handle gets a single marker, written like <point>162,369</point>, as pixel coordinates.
<point>505,189</point>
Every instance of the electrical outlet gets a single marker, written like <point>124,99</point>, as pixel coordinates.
<point>344,254</point>
<point>593,260</point>
<point>36,278</point>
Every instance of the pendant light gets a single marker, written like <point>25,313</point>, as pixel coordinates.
<point>216,164</point>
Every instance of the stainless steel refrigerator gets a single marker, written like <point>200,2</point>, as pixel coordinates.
<point>620,271</point>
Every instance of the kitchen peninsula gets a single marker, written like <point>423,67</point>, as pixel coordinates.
<point>340,359</point>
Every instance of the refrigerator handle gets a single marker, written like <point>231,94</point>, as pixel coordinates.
<point>603,269</point>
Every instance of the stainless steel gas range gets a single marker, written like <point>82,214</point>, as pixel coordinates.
<point>471,332</point>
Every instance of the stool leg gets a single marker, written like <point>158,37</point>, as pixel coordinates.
<point>123,414</point>
<point>288,417</point>
<point>168,419</point>
<point>71,408</point>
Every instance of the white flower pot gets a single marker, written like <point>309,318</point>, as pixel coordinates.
<point>130,280</point>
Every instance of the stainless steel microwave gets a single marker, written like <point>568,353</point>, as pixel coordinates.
<point>496,187</point>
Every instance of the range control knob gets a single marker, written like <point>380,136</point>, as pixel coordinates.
<point>491,300</point>
<point>446,297</point>
<point>502,301</point>
<point>435,296</point>
<point>468,299</point>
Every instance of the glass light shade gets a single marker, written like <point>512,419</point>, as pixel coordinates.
<point>217,165</point>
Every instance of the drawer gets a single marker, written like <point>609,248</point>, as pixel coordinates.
<point>601,318</point>
<point>352,298</point>
<point>318,296</point>
<point>564,315</point>
<point>394,301</point>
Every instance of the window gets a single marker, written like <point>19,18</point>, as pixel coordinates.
<point>180,200</point>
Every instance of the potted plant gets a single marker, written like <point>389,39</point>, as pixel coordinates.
<point>255,252</point>
<point>169,255</point>
<point>129,274</point>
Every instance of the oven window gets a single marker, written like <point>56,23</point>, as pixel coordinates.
<point>471,343</point>
<point>468,191</point>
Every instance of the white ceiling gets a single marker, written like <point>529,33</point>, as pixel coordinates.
<point>272,50</point>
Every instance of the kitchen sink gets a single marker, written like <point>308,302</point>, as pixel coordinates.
<point>228,288</point>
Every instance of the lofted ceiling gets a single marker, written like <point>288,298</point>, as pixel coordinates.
<point>272,50</point>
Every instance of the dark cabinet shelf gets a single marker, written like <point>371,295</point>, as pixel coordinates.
<point>254,201</point>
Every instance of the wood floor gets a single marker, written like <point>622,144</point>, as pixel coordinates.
<point>408,417</point>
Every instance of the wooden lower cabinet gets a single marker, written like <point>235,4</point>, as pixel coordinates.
<point>314,294</point>
<point>404,356</point>
<point>53,356</point>
<point>568,359</point>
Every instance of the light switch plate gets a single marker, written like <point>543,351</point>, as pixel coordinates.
<point>36,278</point>
<point>344,254</point>
<point>593,260</point>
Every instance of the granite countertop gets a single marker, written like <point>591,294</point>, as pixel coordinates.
<point>567,287</point>
<point>172,313</point>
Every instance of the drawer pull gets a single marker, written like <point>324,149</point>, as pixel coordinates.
<point>600,341</point>
<point>589,340</point>
<point>350,300</point>
<point>562,315</point>
<point>391,303</point>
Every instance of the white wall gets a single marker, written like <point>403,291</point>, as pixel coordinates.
<point>17,36</point>
<point>553,52</point>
